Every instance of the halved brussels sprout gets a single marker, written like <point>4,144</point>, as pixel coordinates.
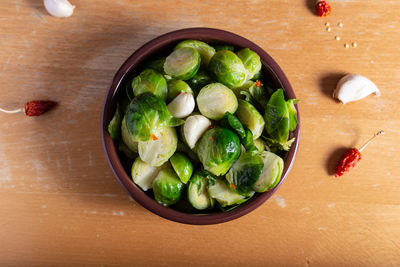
<point>167,187</point>
<point>250,117</point>
<point>143,174</point>
<point>271,173</point>
<point>245,172</point>
<point>206,51</point>
<point>182,63</point>
<point>197,191</point>
<point>146,114</point>
<point>127,137</point>
<point>220,191</point>
<point>182,105</point>
<point>114,127</point>
<point>182,166</point>
<point>227,68</point>
<point>160,147</point>
<point>194,128</point>
<point>218,149</point>
<point>151,81</point>
<point>157,65</point>
<point>199,80</point>
<point>259,143</point>
<point>251,61</point>
<point>175,87</point>
<point>215,99</point>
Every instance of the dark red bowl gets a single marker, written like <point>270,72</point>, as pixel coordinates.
<point>163,45</point>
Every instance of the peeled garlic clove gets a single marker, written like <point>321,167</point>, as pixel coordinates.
<point>353,87</point>
<point>59,8</point>
<point>194,128</point>
<point>182,105</point>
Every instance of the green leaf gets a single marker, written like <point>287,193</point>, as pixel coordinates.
<point>292,114</point>
<point>114,127</point>
<point>277,117</point>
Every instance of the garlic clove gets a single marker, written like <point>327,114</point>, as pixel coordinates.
<point>353,87</point>
<point>194,128</point>
<point>182,105</point>
<point>59,8</point>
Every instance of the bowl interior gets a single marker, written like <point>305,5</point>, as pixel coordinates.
<point>162,46</point>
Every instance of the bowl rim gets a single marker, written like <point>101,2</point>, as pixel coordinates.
<point>111,153</point>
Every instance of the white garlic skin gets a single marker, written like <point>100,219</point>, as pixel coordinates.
<point>353,87</point>
<point>59,8</point>
<point>182,105</point>
<point>194,128</point>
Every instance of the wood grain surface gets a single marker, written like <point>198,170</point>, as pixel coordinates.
<point>61,205</point>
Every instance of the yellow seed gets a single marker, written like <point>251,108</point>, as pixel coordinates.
<point>328,29</point>
<point>346,45</point>
<point>340,25</point>
<point>327,24</point>
<point>337,38</point>
<point>354,44</point>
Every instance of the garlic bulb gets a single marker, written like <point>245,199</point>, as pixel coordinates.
<point>194,128</point>
<point>353,87</point>
<point>182,105</point>
<point>59,8</point>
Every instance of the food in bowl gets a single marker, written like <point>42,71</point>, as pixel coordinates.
<point>202,128</point>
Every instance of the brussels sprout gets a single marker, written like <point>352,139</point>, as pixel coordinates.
<point>182,166</point>
<point>251,61</point>
<point>206,51</point>
<point>215,99</point>
<point>182,63</point>
<point>143,174</point>
<point>217,150</point>
<point>292,113</point>
<point>271,173</point>
<point>194,128</point>
<point>157,65</point>
<point>160,148</point>
<point>167,187</point>
<point>224,47</point>
<point>146,114</point>
<point>250,117</point>
<point>227,68</point>
<point>127,137</point>
<point>220,191</point>
<point>199,80</point>
<point>259,143</point>
<point>245,172</point>
<point>175,87</point>
<point>150,81</point>
<point>182,105</point>
<point>114,127</point>
<point>197,191</point>
<point>277,117</point>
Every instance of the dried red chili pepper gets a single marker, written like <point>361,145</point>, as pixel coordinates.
<point>154,137</point>
<point>351,157</point>
<point>323,8</point>
<point>38,107</point>
<point>33,108</point>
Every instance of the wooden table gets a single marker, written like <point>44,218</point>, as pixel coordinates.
<point>61,205</point>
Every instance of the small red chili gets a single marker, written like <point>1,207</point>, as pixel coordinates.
<point>154,137</point>
<point>33,108</point>
<point>233,186</point>
<point>258,83</point>
<point>211,138</point>
<point>323,8</point>
<point>352,157</point>
<point>211,126</point>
